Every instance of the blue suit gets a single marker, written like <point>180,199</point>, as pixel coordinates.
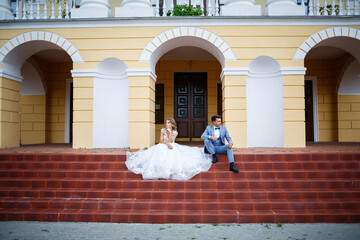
<point>218,146</point>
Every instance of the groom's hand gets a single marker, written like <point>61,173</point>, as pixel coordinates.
<point>230,145</point>
<point>213,138</point>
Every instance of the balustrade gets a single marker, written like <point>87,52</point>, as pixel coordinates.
<point>52,9</point>
<point>43,9</point>
<point>335,8</point>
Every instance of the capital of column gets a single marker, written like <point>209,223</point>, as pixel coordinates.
<point>134,8</point>
<point>92,9</point>
<point>240,8</point>
<point>6,10</point>
<point>284,8</point>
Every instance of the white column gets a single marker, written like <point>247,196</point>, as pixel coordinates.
<point>134,8</point>
<point>92,9</point>
<point>6,10</point>
<point>284,8</point>
<point>240,8</point>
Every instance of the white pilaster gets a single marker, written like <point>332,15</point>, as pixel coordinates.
<point>284,8</point>
<point>92,9</point>
<point>240,8</point>
<point>6,10</point>
<point>134,8</point>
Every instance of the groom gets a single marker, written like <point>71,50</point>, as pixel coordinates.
<point>215,143</point>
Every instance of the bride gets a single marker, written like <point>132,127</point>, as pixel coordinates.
<point>168,160</point>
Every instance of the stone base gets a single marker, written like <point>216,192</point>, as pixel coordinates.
<point>284,10</point>
<point>6,15</point>
<point>90,12</point>
<point>241,10</point>
<point>134,12</point>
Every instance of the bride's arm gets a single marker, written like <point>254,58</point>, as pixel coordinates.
<point>172,138</point>
<point>161,136</point>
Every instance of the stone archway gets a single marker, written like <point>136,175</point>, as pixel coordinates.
<point>13,54</point>
<point>328,33</point>
<point>186,36</point>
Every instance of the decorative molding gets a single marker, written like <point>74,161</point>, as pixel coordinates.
<point>186,22</point>
<point>142,72</point>
<point>196,32</point>
<point>234,72</point>
<point>246,72</point>
<point>293,71</point>
<point>320,36</point>
<point>129,72</point>
<point>10,76</point>
<point>42,36</point>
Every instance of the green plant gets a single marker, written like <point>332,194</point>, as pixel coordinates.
<point>329,9</point>
<point>279,224</point>
<point>185,10</point>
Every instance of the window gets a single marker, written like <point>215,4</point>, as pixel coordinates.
<point>159,103</point>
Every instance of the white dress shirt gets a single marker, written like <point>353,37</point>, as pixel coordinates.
<point>216,133</point>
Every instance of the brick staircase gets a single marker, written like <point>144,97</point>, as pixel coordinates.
<point>270,188</point>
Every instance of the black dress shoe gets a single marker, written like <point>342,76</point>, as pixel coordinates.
<point>215,159</point>
<point>233,168</point>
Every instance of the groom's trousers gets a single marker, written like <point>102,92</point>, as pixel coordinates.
<point>218,147</point>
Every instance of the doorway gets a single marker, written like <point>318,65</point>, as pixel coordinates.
<point>311,109</point>
<point>190,105</point>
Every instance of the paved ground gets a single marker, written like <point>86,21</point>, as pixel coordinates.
<point>122,231</point>
<point>311,147</point>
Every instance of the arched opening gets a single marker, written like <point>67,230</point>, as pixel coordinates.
<point>332,95</point>
<point>39,64</point>
<point>264,98</point>
<point>111,84</point>
<point>187,90</point>
<point>189,53</point>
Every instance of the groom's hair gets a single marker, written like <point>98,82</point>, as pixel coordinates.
<point>213,118</point>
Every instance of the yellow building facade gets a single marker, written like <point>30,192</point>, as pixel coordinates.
<point>111,83</point>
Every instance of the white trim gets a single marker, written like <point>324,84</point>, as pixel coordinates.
<point>141,72</point>
<point>129,72</point>
<point>67,110</point>
<point>54,38</point>
<point>179,21</point>
<point>234,72</point>
<point>313,79</point>
<point>322,35</point>
<point>246,72</point>
<point>10,76</point>
<point>293,71</point>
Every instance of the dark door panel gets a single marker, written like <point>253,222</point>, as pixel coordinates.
<point>190,104</point>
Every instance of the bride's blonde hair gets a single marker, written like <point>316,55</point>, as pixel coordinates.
<point>173,123</point>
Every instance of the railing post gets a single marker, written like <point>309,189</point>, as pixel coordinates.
<point>318,7</point>
<point>45,11</point>
<point>209,11</point>
<point>38,10</point>
<point>164,8</point>
<point>59,10</point>
<point>67,6</point>
<point>356,7</point>
<point>157,9</point>
<point>340,8</point>
<point>202,7</point>
<point>52,9</point>
<point>17,9</point>
<point>216,7</point>
<point>311,7</point>
<point>24,10</point>
<point>347,7</point>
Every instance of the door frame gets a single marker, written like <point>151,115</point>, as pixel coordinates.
<point>207,94</point>
<point>313,79</point>
<point>67,110</point>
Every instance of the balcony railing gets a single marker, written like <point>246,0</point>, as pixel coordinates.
<point>42,9</point>
<point>52,9</point>
<point>321,8</point>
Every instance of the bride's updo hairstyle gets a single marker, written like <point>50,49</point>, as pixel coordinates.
<point>173,123</point>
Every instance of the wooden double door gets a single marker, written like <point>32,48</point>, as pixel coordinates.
<point>190,105</point>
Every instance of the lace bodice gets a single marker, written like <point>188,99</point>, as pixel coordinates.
<point>166,139</point>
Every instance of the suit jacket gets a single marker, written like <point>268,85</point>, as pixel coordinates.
<point>224,134</point>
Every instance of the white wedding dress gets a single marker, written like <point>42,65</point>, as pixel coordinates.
<point>159,162</point>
